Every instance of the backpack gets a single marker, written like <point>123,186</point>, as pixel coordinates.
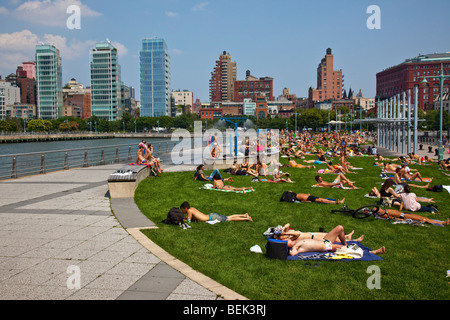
<point>277,249</point>
<point>175,216</point>
<point>436,188</point>
<point>289,196</point>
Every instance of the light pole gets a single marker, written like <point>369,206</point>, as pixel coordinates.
<point>441,77</point>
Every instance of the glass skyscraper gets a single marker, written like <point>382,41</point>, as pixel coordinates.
<point>155,83</point>
<point>105,82</point>
<point>48,82</point>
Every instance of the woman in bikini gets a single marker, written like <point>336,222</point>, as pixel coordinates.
<point>218,184</point>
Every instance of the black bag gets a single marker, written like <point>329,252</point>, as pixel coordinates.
<point>277,249</point>
<point>175,216</point>
<point>438,188</point>
<point>289,196</point>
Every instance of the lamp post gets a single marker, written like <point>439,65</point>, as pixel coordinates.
<point>441,77</point>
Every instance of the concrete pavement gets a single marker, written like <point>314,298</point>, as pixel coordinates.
<point>61,238</point>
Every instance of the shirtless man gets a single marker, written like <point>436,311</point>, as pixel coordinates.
<point>323,245</point>
<point>305,197</point>
<point>287,233</point>
<point>340,181</point>
<point>218,184</point>
<point>192,214</point>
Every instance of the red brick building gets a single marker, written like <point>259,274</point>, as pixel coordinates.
<point>211,113</point>
<point>330,82</point>
<point>405,76</point>
<point>252,87</point>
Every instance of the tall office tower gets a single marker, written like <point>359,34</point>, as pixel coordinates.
<point>221,84</point>
<point>105,82</point>
<point>48,82</point>
<point>155,80</point>
<point>330,83</point>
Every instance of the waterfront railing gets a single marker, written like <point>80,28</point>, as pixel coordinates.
<point>13,166</point>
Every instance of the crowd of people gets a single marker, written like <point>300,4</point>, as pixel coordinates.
<point>333,150</point>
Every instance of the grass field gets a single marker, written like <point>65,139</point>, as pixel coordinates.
<point>413,267</point>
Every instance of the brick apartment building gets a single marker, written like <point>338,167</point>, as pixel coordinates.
<point>330,82</point>
<point>252,87</point>
<point>221,84</point>
<point>406,75</point>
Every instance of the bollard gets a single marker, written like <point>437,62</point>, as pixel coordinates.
<point>117,155</point>
<point>14,169</point>
<point>42,164</point>
<point>102,160</point>
<point>430,149</point>
<point>66,161</point>
<point>85,164</point>
<point>129,153</point>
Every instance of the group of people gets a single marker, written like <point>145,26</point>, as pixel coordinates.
<point>341,146</point>
<point>144,156</point>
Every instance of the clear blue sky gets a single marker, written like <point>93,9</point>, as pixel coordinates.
<point>283,39</point>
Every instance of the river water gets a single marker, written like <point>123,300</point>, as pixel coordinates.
<point>54,154</point>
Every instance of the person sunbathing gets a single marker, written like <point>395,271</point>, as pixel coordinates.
<point>192,214</point>
<point>294,164</point>
<point>288,233</point>
<point>306,197</point>
<point>403,173</point>
<point>326,244</point>
<point>218,184</point>
<point>340,181</point>
<point>392,213</point>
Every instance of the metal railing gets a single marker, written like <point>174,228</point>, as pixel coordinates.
<point>25,164</point>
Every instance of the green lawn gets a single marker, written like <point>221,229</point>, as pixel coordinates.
<point>414,266</point>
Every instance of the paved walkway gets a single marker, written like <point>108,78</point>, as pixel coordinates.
<point>62,238</point>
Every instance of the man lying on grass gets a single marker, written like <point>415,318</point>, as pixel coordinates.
<point>306,197</point>
<point>326,244</point>
<point>340,181</point>
<point>195,215</point>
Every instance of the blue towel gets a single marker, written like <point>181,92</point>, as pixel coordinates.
<point>367,256</point>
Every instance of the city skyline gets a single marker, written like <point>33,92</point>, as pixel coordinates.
<point>284,40</point>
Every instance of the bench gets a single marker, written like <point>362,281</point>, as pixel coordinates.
<point>124,181</point>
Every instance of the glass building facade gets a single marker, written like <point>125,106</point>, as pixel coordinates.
<point>155,82</point>
<point>105,82</point>
<point>48,82</point>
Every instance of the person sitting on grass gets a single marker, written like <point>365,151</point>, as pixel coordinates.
<point>340,181</point>
<point>409,202</point>
<point>200,175</point>
<point>278,176</point>
<point>326,244</point>
<point>218,184</point>
<point>192,214</point>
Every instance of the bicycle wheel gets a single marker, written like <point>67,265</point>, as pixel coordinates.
<point>365,211</point>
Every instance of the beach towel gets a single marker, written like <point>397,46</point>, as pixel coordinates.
<point>209,186</point>
<point>367,256</point>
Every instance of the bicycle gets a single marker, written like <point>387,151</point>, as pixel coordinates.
<point>371,210</point>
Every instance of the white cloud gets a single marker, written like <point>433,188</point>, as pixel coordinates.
<point>171,14</point>
<point>48,12</point>
<point>20,46</point>
<point>200,6</point>
<point>177,51</point>
<point>121,49</point>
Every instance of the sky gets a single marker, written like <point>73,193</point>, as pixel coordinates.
<point>282,39</point>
